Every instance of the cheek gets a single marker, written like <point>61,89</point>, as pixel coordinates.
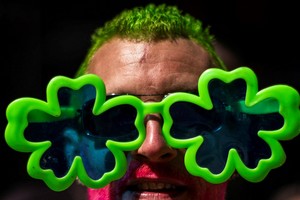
<point>99,194</point>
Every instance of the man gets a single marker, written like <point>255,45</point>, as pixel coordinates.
<point>150,52</point>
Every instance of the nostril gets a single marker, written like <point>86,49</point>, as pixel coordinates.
<point>167,156</point>
<point>154,154</point>
<point>139,156</point>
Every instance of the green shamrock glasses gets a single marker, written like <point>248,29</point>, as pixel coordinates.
<point>227,126</point>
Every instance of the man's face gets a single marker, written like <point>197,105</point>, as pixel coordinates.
<point>155,171</point>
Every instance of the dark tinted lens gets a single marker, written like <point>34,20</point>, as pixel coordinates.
<point>190,120</point>
<point>116,123</point>
<point>65,132</point>
<point>224,127</point>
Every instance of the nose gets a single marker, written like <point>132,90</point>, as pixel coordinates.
<point>154,147</point>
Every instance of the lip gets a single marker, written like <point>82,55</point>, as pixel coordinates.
<point>145,188</point>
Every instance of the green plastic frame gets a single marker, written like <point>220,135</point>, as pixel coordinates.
<point>287,97</point>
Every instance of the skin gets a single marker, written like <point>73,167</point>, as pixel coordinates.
<point>155,171</point>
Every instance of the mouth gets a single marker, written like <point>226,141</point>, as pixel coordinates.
<point>152,189</point>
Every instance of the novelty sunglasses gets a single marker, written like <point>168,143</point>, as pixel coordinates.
<point>226,126</point>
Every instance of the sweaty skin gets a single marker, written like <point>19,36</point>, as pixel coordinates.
<point>156,171</point>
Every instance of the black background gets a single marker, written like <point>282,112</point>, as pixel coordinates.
<point>45,39</point>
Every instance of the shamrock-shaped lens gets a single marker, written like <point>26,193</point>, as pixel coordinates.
<point>226,126</point>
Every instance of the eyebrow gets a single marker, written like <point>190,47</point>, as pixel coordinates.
<point>159,94</point>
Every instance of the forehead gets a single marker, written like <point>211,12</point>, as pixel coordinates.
<point>149,67</point>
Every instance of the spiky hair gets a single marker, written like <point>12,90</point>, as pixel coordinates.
<point>152,23</point>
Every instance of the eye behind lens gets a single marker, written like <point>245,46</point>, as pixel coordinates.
<point>116,123</point>
<point>191,120</point>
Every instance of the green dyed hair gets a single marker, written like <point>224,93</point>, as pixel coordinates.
<point>152,23</point>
